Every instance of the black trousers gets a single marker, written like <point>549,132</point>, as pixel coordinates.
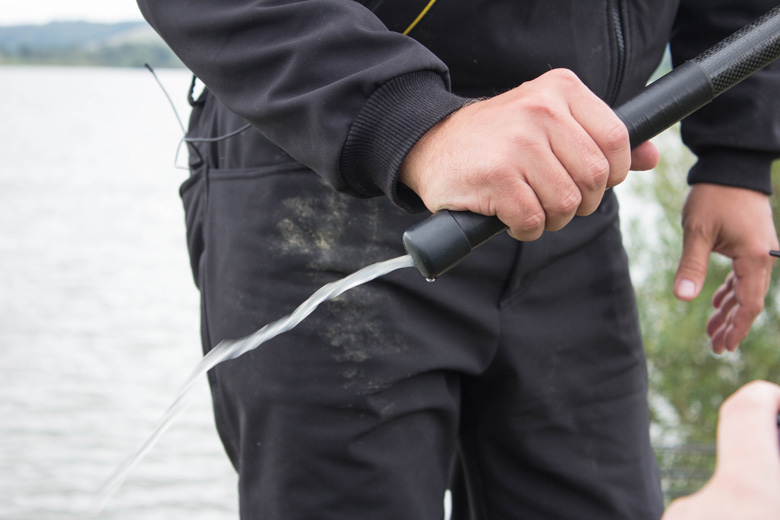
<point>525,361</point>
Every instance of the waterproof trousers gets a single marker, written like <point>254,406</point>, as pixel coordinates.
<point>525,362</point>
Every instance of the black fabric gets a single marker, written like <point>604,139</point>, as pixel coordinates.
<point>380,132</point>
<point>305,74</point>
<point>735,136</point>
<point>526,359</point>
<point>733,168</point>
<point>299,71</point>
<point>528,355</point>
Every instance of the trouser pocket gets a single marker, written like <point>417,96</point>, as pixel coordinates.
<point>193,196</point>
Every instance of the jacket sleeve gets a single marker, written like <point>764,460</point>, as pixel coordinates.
<point>737,136</point>
<point>324,80</point>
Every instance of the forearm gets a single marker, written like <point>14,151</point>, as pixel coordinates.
<point>308,75</point>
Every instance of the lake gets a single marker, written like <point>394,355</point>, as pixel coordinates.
<point>98,312</point>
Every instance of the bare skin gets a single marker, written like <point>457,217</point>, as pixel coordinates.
<point>736,223</point>
<point>746,483</point>
<point>534,156</point>
<point>546,151</point>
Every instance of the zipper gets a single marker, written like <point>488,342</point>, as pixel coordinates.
<point>616,18</point>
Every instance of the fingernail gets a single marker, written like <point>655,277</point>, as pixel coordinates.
<point>686,289</point>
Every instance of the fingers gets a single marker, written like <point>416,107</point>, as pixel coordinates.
<point>721,324</point>
<point>738,224</point>
<point>535,156</point>
<point>738,302</point>
<point>723,292</point>
<point>646,156</point>
<point>609,135</point>
<point>584,175</point>
<point>692,270</point>
<point>583,150</point>
<point>527,214</point>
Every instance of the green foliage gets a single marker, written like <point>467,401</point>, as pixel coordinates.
<point>687,382</point>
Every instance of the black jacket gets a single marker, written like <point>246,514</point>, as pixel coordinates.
<point>336,85</point>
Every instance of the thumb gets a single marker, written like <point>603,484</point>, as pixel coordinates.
<point>692,270</point>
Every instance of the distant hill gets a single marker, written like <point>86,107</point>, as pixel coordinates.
<point>127,44</point>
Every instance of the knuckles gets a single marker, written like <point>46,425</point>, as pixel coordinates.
<point>533,222</point>
<point>753,308</point>
<point>565,77</point>
<point>562,210</point>
<point>617,138</point>
<point>596,173</point>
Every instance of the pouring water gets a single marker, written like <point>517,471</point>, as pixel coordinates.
<point>231,349</point>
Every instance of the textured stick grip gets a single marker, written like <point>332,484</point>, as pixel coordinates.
<point>440,242</point>
<point>697,82</point>
<point>746,51</point>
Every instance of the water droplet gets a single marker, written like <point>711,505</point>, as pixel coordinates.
<point>430,280</point>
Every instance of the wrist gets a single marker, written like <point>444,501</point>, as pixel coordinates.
<point>387,127</point>
<point>423,157</point>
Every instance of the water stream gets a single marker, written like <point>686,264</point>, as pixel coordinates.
<point>231,349</point>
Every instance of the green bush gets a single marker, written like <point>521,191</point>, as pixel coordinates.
<point>687,381</point>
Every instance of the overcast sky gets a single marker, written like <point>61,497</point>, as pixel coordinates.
<point>14,12</point>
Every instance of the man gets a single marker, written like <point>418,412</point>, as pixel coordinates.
<point>526,360</point>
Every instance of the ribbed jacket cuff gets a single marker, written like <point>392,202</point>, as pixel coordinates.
<point>393,119</point>
<point>742,169</point>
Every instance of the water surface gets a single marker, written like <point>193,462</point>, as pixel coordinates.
<point>98,313</point>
